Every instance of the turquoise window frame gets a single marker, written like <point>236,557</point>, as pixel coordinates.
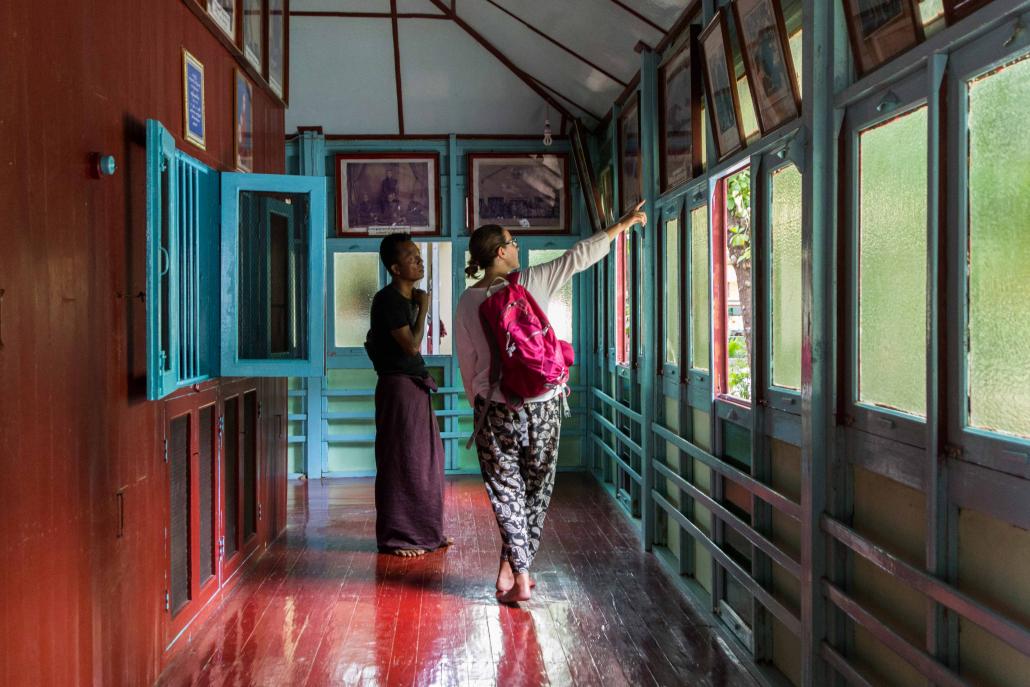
<point>1000,451</point>
<point>162,362</point>
<point>881,106</point>
<point>313,363</point>
<point>779,397</point>
<point>666,211</point>
<point>186,272</point>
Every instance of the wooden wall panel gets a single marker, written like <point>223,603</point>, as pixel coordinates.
<point>82,605</point>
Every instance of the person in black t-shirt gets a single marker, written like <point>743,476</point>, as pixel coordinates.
<point>409,452</point>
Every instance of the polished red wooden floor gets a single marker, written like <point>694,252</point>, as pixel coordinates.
<point>322,608</point>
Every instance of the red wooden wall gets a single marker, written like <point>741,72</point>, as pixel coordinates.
<point>78,604</point>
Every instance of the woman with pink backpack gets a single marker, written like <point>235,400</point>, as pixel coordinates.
<point>515,371</point>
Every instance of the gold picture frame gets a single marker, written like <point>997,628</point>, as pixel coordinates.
<point>194,105</point>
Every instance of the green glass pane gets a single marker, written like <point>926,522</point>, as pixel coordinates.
<point>999,247</point>
<point>699,289</point>
<point>786,278</point>
<point>797,54</point>
<point>672,291</point>
<point>560,309</point>
<point>356,280</point>
<point>931,14</point>
<point>747,108</point>
<point>892,264</point>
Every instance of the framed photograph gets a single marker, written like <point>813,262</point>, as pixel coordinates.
<point>721,86</point>
<point>679,112</point>
<point>880,30</point>
<point>630,162</point>
<point>585,174</point>
<point>957,9</point>
<point>224,14</point>
<point>253,32</point>
<point>194,127</point>
<point>767,59</point>
<point>525,193</point>
<point>243,122</point>
<point>276,45</point>
<point>384,193</point>
<point>606,194</point>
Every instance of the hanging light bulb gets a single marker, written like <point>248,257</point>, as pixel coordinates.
<point>548,139</point>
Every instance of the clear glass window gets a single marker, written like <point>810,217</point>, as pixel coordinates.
<point>998,363</point>
<point>892,264</point>
<point>355,282</point>
<point>671,271</point>
<point>737,286</point>
<point>437,259</point>
<point>623,299</point>
<point>785,268</point>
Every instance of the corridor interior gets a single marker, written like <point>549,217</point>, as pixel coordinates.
<point>799,434</point>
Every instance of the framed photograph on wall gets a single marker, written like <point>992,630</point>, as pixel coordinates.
<point>770,68</point>
<point>957,9</point>
<point>194,115</point>
<point>721,86</point>
<point>253,32</point>
<point>525,193</point>
<point>243,122</point>
<point>277,45</point>
<point>383,193</point>
<point>224,14</point>
<point>679,83</point>
<point>630,162</point>
<point>585,175</point>
<point>880,30</point>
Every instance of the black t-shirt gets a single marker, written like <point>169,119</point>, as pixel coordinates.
<point>390,311</point>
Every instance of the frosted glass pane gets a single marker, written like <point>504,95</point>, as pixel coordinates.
<point>931,14</point>
<point>627,295</point>
<point>892,267</point>
<point>786,278</point>
<point>699,276</point>
<point>747,108</point>
<point>560,309</point>
<point>356,280</point>
<point>999,246</point>
<point>797,54</point>
<point>672,291</point>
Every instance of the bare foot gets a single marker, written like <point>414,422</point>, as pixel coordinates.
<point>521,591</point>
<point>506,579</point>
<point>409,553</point>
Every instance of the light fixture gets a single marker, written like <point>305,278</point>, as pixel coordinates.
<point>548,139</point>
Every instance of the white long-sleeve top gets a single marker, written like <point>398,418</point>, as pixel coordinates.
<point>542,282</point>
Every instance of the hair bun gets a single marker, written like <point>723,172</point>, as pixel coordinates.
<point>473,268</point>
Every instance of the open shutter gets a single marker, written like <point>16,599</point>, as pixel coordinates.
<point>162,256</point>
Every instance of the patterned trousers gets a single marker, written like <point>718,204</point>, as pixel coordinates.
<point>518,454</point>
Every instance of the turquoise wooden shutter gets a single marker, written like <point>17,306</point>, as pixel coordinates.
<point>273,275</point>
<point>162,257</point>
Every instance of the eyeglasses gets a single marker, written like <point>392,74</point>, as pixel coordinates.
<point>514,242</point>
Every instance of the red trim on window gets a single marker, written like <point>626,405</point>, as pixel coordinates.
<point>719,324</point>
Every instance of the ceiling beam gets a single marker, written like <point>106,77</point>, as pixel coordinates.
<point>639,16</point>
<point>567,99</point>
<point>564,47</point>
<point>526,78</point>
<point>366,15</point>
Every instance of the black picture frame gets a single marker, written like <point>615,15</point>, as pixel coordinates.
<point>772,79</point>
<point>679,114</point>
<point>721,86</point>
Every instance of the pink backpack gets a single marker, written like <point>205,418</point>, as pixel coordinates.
<point>528,359</point>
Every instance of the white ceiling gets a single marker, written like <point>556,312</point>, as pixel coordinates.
<point>342,68</point>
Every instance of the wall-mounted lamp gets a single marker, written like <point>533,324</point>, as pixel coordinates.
<point>103,165</point>
<point>548,138</point>
<point>889,102</point>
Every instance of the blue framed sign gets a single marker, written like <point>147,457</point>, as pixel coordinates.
<point>193,111</point>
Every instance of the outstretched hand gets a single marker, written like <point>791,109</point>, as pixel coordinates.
<point>634,216</point>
